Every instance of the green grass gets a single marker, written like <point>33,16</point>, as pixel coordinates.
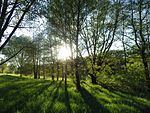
<point>25,95</point>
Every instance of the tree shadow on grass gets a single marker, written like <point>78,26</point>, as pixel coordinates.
<point>9,78</point>
<point>67,102</point>
<point>17,94</point>
<point>91,101</point>
<point>112,88</point>
<point>54,97</point>
<point>133,101</point>
<point>123,98</point>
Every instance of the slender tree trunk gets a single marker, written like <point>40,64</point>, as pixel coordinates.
<point>77,48</point>
<point>20,71</point>
<point>62,72</point>
<point>34,67</point>
<point>72,63</point>
<point>57,71</point>
<point>125,56</point>
<point>52,72</point>
<point>72,68</point>
<point>43,71</point>
<point>124,47</point>
<point>39,70</point>
<point>77,75</point>
<point>66,73</point>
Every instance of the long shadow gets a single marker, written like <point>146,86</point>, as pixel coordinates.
<point>18,94</point>
<point>91,101</point>
<point>134,93</point>
<point>55,95</point>
<point>125,98</point>
<point>137,104</point>
<point>67,102</point>
<point>4,78</point>
<point>18,86</point>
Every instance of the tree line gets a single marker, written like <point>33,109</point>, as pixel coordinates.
<point>89,26</point>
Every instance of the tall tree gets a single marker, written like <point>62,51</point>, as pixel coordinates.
<point>138,20</point>
<point>66,18</point>
<point>11,15</point>
<point>99,32</point>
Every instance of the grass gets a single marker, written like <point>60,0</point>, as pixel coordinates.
<point>25,95</point>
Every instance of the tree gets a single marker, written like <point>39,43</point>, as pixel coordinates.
<point>99,32</point>
<point>138,20</point>
<point>11,15</point>
<point>22,57</point>
<point>65,19</point>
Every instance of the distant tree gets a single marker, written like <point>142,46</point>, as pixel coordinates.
<point>3,67</point>
<point>22,57</point>
<point>36,53</point>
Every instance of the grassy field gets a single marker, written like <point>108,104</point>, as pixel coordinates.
<point>24,95</point>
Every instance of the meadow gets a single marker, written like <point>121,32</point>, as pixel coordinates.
<point>26,95</point>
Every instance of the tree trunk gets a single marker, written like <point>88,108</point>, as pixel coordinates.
<point>35,66</point>
<point>39,69</point>
<point>52,72</point>
<point>20,71</point>
<point>94,79</point>
<point>35,73</point>
<point>93,75</point>
<point>62,72</point>
<point>72,68</point>
<point>43,71</point>
<point>146,70</point>
<point>66,72</point>
<point>77,47</point>
<point>57,71</point>
<point>77,76</point>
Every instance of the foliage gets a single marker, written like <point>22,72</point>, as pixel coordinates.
<point>132,80</point>
<point>12,14</point>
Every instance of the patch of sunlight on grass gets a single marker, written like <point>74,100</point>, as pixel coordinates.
<point>104,98</point>
<point>59,107</point>
<point>142,101</point>
<point>82,109</point>
<point>121,108</point>
<point>10,74</point>
<point>18,111</point>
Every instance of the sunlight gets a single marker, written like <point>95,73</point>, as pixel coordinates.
<point>64,53</point>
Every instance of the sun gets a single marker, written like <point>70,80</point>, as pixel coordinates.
<point>64,52</point>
